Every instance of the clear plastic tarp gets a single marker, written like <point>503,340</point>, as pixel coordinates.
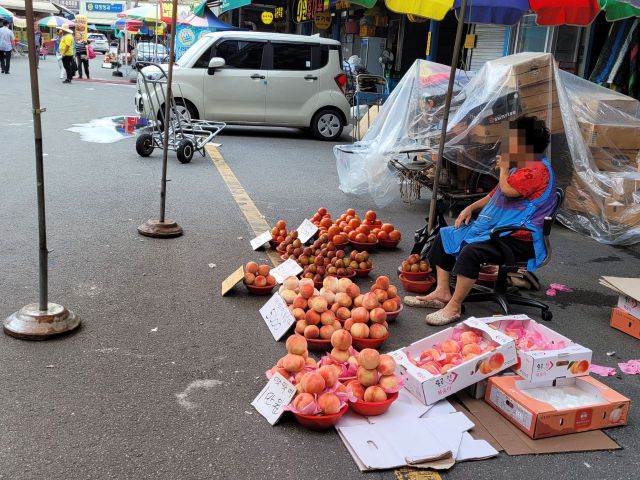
<point>594,147</point>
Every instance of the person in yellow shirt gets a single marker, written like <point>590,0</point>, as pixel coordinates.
<point>66,51</point>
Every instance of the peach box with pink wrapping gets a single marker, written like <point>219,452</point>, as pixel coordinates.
<point>429,388</point>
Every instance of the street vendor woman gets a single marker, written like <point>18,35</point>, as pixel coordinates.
<point>524,196</point>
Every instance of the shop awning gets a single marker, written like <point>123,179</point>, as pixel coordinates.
<point>41,7</point>
<point>435,9</point>
<point>100,21</point>
<point>19,22</point>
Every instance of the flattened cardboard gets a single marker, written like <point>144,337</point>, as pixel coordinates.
<point>232,280</point>
<point>504,436</point>
<point>629,291</point>
<point>625,322</point>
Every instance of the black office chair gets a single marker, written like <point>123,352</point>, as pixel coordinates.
<point>502,293</point>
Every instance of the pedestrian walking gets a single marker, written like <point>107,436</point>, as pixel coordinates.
<point>82,58</point>
<point>37,37</point>
<point>66,52</point>
<point>7,39</point>
<point>56,48</point>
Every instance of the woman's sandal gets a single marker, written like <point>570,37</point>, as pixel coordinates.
<point>414,302</point>
<point>438,318</point>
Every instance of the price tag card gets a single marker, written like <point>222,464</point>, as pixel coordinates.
<point>306,230</point>
<point>232,280</point>
<point>276,395</point>
<point>286,269</point>
<point>277,316</point>
<point>260,240</point>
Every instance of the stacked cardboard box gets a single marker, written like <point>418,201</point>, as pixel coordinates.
<point>626,315</point>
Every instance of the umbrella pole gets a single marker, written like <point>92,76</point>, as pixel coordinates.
<point>42,320</point>
<point>445,116</point>
<point>163,227</point>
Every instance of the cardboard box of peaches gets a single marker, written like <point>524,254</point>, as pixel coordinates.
<point>545,361</point>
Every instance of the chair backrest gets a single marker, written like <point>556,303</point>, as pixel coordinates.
<point>548,222</point>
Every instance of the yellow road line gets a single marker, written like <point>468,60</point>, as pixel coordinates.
<point>255,219</point>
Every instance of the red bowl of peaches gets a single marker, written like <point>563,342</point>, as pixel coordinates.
<point>414,268</point>
<point>257,279</point>
<point>417,286</point>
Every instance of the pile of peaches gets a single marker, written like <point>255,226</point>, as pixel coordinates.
<point>278,233</point>
<point>257,278</point>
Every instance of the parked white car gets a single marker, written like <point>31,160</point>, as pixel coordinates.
<point>256,78</point>
<point>98,42</point>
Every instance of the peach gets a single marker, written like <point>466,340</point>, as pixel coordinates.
<point>330,283</point>
<point>264,270</point>
<point>343,284</point>
<point>374,394</point>
<point>249,278</point>
<point>583,365</point>
<point>271,280</point>
<point>343,299</point>
<point>329,403</point>
<point>298,313</point>
<point>348,323</point>
<point>381,295</point>
<point>450,346</point>
<point>432,367</point>
<point>360,315</point>
<point>260,281</point>
<point>469,337</point>
<point>311,331</point>
<point>469,356</point>
<point>357,302</point>
<point>369,358</point>
<point>313,382</point>
<point>292,362</point>
<point>303,400</point>
<point>327,318</point>
<point>328,295</point>
<point>383,282</point>
<point>389,306</point>
<point>370,301</point>
<point>398,301</point>
<point>318,304</point>
<point>281,371</point>
<point>330,375</point>
<point>326,331</point>
<point>388,382</point>
<point>300,326</point>
<point>300,302</point>
<point>497,360</point>
<point>290,283</point>
<point>343,313</point>
<point>341,339</point>
<point>312,317</point>
<point>305,281</point>
<point>353,361</point>
<point>357,389</point>
<point>392,291</point>
<point>431,353</point>
<point>296,344</point>
<point>337,325</point>
<point>446,368</point>
<point>471,348</point>
<point>340,355</point>
<point>367,377</point>
<point>377,331</point>
<point>378,315</point>
<point>387,365</point>
<point>306,290</point>
<point>310,362</point>
<point>353,290</point>
<point>360,330</point>
<point>251,267</point>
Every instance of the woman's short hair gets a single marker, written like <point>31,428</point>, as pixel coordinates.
<point>533,132</point>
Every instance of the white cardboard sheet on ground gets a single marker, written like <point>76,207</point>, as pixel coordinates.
<point>260,240</point>
<point>286,269</point>
<point>306,230</point>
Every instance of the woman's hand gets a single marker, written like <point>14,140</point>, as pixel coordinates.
<point>464,217</point>
<point>502,163</point>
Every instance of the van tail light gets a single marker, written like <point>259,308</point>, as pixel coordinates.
<point>341,81</point>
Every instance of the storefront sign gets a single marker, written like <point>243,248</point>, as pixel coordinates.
<point>186,36</point>
<point>322,20</point>
<point>227,5</point>
<point>279,13</point>
<point>105,7</point>
<point>82,28</point>
<point>267,18</point>
<point>306,10</point>
<point>343,4</point>
<point>73,5</point>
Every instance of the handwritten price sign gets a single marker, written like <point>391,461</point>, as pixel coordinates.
<point>276,395</point>
<point>260,240</point>
<point>277,316</point>
<point>286,269</point>
<point>306,230</point>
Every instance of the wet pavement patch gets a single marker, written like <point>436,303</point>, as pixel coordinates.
<point>109,129</point>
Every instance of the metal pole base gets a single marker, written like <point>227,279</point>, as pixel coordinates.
<point>157,229</point>
<point>30,323</point>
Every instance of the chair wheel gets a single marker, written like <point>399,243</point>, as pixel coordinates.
<point>547,315</point>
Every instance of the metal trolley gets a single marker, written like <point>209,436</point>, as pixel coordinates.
<point>186,134</point>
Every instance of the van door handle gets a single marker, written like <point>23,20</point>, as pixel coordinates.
<point>310,77</point>
<point>257,76</point>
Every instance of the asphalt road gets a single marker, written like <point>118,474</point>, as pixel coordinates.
<point>158,382</point>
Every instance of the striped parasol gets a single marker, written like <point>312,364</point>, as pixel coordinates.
<point>209,20</point>
<point>5,14</point>
<point>54,22</point>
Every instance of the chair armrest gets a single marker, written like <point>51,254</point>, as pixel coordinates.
<point>496,233</point>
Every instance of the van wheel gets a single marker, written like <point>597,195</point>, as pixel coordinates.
<point>184,109</point>
<point>327,125</point>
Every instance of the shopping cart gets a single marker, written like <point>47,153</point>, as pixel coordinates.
<point>186,134</point>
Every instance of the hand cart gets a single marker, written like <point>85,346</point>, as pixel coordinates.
<point>186,134</point>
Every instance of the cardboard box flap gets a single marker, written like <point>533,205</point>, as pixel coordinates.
<point>509,438</point>
<point>624,286</point>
